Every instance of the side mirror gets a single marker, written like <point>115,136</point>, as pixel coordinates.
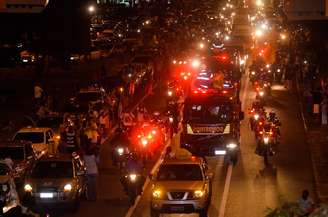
<point>241,116</point>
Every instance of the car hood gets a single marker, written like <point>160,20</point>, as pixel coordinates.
<point>179,185</point>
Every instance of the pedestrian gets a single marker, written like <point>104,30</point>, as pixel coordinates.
<point>305,203</point>
<point>38,94</point>
<point>91,173</point>
<point>324,110</point>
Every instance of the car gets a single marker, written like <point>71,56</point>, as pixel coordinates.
<point>88,98</point>
<point>22,155</point>
<point>43,139</point>
<point>57,180</point>
<point>7,188</point>
<point>181,186</point>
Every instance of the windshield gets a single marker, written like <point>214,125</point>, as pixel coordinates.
<point>53,169</point>
<point>89,96</point>
<point>180,172</point>
<point>15,153</point>
<point>208,113</point>
<point>34,137</point>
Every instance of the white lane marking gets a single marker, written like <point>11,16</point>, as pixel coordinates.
<point>225,191</point>
<point>243,100</point>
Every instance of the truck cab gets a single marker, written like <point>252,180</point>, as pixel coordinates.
<point>211,124</point>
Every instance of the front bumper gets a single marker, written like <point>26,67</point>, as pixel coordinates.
<point>57,198</point>
<point>215,146</point>
<point>178,206</point>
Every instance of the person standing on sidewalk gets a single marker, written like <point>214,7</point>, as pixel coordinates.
<point>38,95</point>
<point>324,110</point>
<point>306,204</point>
<point>91,172</point>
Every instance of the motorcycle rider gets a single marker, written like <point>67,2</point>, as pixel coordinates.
<point>120,141</point>
<point>275,121</point>
<point>134,166</point>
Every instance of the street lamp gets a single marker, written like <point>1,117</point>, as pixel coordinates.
<point>259,3</point>
<point>258,33</point>
<point>91,9</point>
<point>283,36</point>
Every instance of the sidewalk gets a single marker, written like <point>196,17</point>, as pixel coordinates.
<point>317,139</point>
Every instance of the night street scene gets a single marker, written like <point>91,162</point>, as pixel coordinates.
<point>163,108</point>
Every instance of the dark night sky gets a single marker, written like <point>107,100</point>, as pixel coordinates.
<point>63,25</point>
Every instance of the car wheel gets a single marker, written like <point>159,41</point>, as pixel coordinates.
<point>202,212</point>
<point>154,213</point>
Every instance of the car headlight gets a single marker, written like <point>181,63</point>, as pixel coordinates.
<point>133,177</point>
<point>232,145</point>
<point>68,187</point>
<point>198,193</point>
<point>157,194</point>
<point>28,188</point>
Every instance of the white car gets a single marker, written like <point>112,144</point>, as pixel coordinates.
<point>43,139</point>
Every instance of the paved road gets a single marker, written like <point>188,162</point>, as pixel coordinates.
<point>255,188</point>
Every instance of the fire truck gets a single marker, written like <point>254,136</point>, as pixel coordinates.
<point>211,122</point>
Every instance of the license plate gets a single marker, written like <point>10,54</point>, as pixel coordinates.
<point>177,208</point>
<point>46,195</point>
<point>220,152</point>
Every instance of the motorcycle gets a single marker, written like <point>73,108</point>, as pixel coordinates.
<point>121,143</point>
<point>132,184</point>
<point>267,143</point>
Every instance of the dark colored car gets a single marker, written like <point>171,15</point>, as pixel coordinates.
<point>57,180</point>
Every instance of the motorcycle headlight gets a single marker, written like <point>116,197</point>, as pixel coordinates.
<point>232,145</point>
<point>261,93</point>
<point>157,193</point>
<point>120,151</point>
<point>28,188</point>
<point>133,177</point>
<point>256,117</point>
<point>266,140</point>
<point>198,193</point>
<point>170,119</point>
<point>144,141</point>
<point>68,187</point>
<point>169,93</point>
<point>253,73</point>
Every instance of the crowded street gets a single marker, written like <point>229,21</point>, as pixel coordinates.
<point>162,108</point>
